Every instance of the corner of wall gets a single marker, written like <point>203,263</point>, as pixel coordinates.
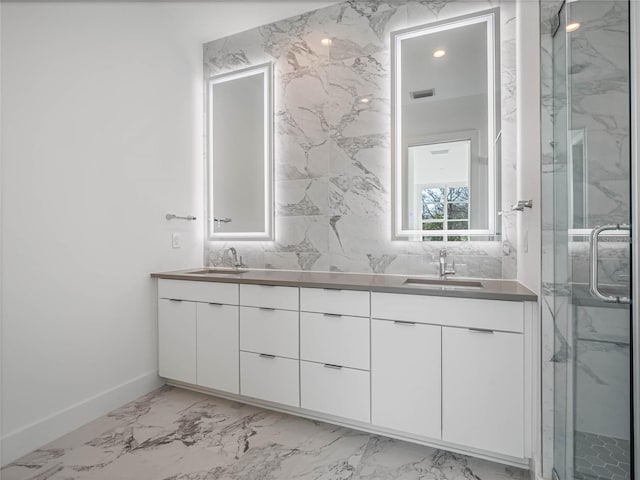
<point>27,439</point>
<point>528,143</point>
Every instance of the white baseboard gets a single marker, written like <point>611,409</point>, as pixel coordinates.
<point>20,442</point>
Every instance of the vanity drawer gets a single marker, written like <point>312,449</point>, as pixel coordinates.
<point>270,296</point>
<point>273,379</point>
<point>335,339</point>
<point>449,311</point>
<point>269,331</point>
<point>343,302</point>
<point>207,292</point>
<point>343,392</point>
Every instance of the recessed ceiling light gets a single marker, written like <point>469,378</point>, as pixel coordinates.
<point>439,53</point>
<point>572,27</point>
<point>326,42</point>
<point>365,100</point>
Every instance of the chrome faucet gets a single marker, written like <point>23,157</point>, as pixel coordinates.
<point>236,263</point>
<point>444,268</point>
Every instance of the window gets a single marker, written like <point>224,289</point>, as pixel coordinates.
<point>445,207</point>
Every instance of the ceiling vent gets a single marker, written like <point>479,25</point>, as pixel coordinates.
<point>423,93</point>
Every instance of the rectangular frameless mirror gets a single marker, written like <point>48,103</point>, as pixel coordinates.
<point>446,124</point>
<point>240,159</point>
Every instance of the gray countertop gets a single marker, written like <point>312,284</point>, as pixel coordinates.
<point>492,289</point>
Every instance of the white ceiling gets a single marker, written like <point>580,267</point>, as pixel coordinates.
<point>208,20</point>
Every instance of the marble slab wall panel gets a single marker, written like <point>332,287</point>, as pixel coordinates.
<point>333,151</point>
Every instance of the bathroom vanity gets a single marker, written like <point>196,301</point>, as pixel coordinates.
<point>447,365</point>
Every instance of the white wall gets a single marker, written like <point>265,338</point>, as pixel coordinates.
<point>529,187</point>
<point>102,129</point>
<point>529,161</point>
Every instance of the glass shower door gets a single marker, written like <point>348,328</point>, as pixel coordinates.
<point>591,209</point>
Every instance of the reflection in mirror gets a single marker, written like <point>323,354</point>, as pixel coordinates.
<point>577,167</point>
<point>240,160</point>
<point>439,174</point>
<point>446,121</point>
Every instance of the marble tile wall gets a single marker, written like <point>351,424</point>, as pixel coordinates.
<point>332,152</point>
<point>598,99</point>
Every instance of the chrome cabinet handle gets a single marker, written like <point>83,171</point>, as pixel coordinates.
<point>332,315</point>
<point>480,330</point>
<point>594,287</point>
<point>331,365</point>
<point>175,300</point>
<point>268,309</point>
<point>400,322</point>
<point>266,355</point>
<point>215,304</point>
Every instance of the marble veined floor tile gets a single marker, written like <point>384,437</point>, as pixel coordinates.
<point>176,434</point>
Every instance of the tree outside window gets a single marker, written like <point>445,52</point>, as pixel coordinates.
<point>445,207</point>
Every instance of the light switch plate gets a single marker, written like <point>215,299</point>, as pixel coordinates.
<point>176,240</point>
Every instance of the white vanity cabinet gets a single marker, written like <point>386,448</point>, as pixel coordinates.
<point>449,372</point>
<point>198,333</point>
<point>334,353</point>
<point>269,343</point>
<point>481,363</point>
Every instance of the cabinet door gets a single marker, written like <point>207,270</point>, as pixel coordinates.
<point>270,378</point>
<point>218,347</point>
<point>329,300</point>
<point>483,390</point>
<point>270,331</point>
<point>339,340</point>
<point>339,391</point>
<point>177,340</point>
<point>405,377</point>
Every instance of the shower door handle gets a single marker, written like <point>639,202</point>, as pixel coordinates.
<point>593,263</point>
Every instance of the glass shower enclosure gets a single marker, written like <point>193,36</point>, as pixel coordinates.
<point>587,239</point>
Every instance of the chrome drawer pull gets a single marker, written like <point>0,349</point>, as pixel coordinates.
<point>268,309</point>
<point>400,322</point>
<point>332,315</point>
<point>331,365</point>
<point>480,330</point>
<point>215,304</point>
<point>175,300</point>
<point>266,355</point>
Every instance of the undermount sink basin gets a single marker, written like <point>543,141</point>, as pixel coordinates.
<point>443,284</point>
<point>214,271</point>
